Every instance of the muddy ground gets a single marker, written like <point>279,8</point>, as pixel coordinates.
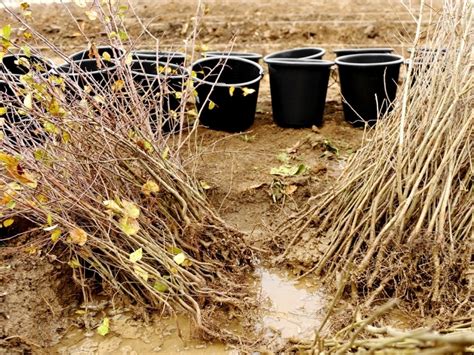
<point>39,302</point>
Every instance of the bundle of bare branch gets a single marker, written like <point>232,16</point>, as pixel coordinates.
<point>400,220</point>
<point>105,187</point>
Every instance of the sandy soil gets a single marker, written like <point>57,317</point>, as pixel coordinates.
<point>37,295</point>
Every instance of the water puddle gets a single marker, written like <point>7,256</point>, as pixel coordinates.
<point>288,310</point>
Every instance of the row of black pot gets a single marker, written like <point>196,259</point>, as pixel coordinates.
<point>227,83</point>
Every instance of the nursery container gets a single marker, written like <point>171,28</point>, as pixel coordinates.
<point>13,65</point>
<point>255,57</point>
<point>87,72</point>
<point>160,83</point>
<point>298,53</point>
<point>14,117</point>
<point>115,53</point>
<point>227,92</point>
<point>349,51</point>
<point>298,90</point>
<point>177,58</point>
<point>368,85</point>
<point>424,59</point>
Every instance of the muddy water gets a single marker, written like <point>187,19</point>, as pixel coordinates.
<point>288,309</point>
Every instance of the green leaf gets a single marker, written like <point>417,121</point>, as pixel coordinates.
<point>136,256</point>
<point>123,35</point>
<point>288,170</point>
<point>104,327</point>
<point>26,50</point>
<point>160,287</point>
<point>6,32</point>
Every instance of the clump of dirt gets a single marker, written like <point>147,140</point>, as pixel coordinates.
<point>37,297</point>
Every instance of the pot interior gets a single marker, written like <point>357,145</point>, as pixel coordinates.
<point>234,54</point>
<point>153,68</point>
<point>86,54</point>
<point>19,69</point>
<point>298,53</point>
<point>230,71</point>
<point>368,59</point>
<point>87,65</point>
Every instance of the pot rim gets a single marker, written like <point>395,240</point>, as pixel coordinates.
<point>300,62</point>
<point>120,50</point>
<point>364,50</point>
<point>233,54</point>
<point>397,59</point>
<point>321,53</point>
<point>158,75</point>
<point>154,53</point>
<point>224,85</point>
<point>81,72</point>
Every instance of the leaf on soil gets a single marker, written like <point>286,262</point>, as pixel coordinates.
<point>288,170</point>
<point>283,157</point>
<point>104,327</point>
<point>136,256</point>
<point>290,189</point>
<point>78,236</point>
<point>204,185</point>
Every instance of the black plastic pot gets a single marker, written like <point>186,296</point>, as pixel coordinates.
<point>176,58</point>
<point>227,92</point>
<point>115,53</point>
<point>349,51</point>
<point>298,89</point>
<point>159,83</point>
<point>255,57</point>
<point>11,65</point>
<point>424,59</point>
<point>14,118</point>
<point>298,53</point>
<point>86,72</point>
<point>368,85</point>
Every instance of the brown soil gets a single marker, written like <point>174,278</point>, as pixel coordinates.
<point>37,295</point>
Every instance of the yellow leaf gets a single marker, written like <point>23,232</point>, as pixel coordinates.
<point>204,185</point>
<point>28,101</point>
<point>211,105</point>
<point>247,91</point>
<point>178,95</point>
<point>26,50</point>
<point>8,222</point>
<point>103,329</point>
<point>290,189</point>
<point>78,236</point>
<point>66,137</point>
<point>150,187</point>
<point>140,272</point>
<point>3,110</point>
<point>136,256</point>
<point>112,206</point>
<point>118,85</point>
<point>179,258</point>
<point>6,32</point>
<point>80,3</point>
<point>129,226</point>
<point>92,15</point>
<point>231,91</point>
<point>130,209</point>
<point>50,128</point>
<point>129,59</point>
<point>55,235</point>
<point>106,56</point>
<point>49,219</point>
